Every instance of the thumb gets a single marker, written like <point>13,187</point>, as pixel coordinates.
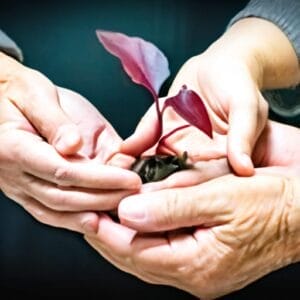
<point>145,136</point>
<point>203,204</point>
<point>246,122</point>
<point>42,108</point>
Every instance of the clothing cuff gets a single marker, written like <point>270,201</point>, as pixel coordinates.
<point>284,14</point>
<point>9,47</point>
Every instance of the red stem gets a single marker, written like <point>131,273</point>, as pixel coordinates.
<point>159,114</point>
<point>163,138</point>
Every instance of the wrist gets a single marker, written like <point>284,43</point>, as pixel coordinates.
<point>270,56</point>
<point>239,46</point>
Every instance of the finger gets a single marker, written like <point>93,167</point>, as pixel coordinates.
<point>145,136</point>
<point>100,140</point>
<point>244,129</point>
<point>122,161</point>
<point>41,160</point>
<point>40,104</point>
<point>108,144</point>
<point>114,236</point>
<point>83,222</point>
<point>143,254</point>
<point>142,264</point>
<point>206,204</point>
<point>122,241</point>
<point>70,199</point>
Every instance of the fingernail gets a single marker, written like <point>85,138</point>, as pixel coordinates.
<point>246,160</point>
<point>247,163</point>
<point>132,210</point>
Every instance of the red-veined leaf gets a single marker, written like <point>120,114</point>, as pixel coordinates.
<point>142,61</point>
<point>190,107</point>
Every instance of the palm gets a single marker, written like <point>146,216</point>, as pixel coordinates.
<point>278,146</point>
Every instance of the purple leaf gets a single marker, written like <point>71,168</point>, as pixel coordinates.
<point>142,61</point>
<point>190,107</point>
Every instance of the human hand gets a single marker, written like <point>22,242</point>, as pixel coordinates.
<point>222,234</point>
<point>193,237</point>
<point>36,97</point>
<point>229,76</point>
<point>63,191</point>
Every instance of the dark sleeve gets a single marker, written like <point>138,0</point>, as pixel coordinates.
<point>9,47</point>
<point>284,13</point>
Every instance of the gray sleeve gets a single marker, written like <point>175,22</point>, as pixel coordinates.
<point>284,103</point>
<point>284,13</point>
<point>9,47</point>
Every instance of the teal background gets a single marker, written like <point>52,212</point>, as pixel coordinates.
<point>58,38</point>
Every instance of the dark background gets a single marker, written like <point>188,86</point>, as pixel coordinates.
<point>58,39</point>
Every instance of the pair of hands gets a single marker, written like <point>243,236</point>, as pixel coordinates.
<point>244,226</point>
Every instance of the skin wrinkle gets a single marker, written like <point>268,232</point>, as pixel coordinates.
<point>288,231</point>
<point>171,207</point>
<point>62,175</point>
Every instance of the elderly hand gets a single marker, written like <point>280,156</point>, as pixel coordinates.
<point>216,237</point>
<point>222,234</point>
<point>229,77</point>
<point>63,191</point>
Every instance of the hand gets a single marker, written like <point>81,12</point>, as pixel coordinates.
<point>63,191</point>
<point>196,235</point>
<point>222,234</point>
<point>36,97</point>
<point>229,76</point>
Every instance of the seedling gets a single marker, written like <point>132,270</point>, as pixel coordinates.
<point>148,66</point>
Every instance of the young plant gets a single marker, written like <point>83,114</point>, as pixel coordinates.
<point>148,66</point>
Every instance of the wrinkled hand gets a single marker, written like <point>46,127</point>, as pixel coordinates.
<point>63,191</point>
<point>222,234</point>
<point>216,237</point>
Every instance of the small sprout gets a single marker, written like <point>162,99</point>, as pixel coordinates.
<point>147,65</point>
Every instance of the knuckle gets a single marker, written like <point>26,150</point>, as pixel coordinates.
<point>56,199</point>
<point>171,207</point>
<point>62,175</point>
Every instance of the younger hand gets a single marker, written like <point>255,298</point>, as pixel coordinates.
<point>229,77</point>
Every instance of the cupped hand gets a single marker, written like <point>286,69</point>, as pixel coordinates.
<point>236,107</point>
<point>63,191</point>
<point>229,77</point>
<point>221,235</point>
